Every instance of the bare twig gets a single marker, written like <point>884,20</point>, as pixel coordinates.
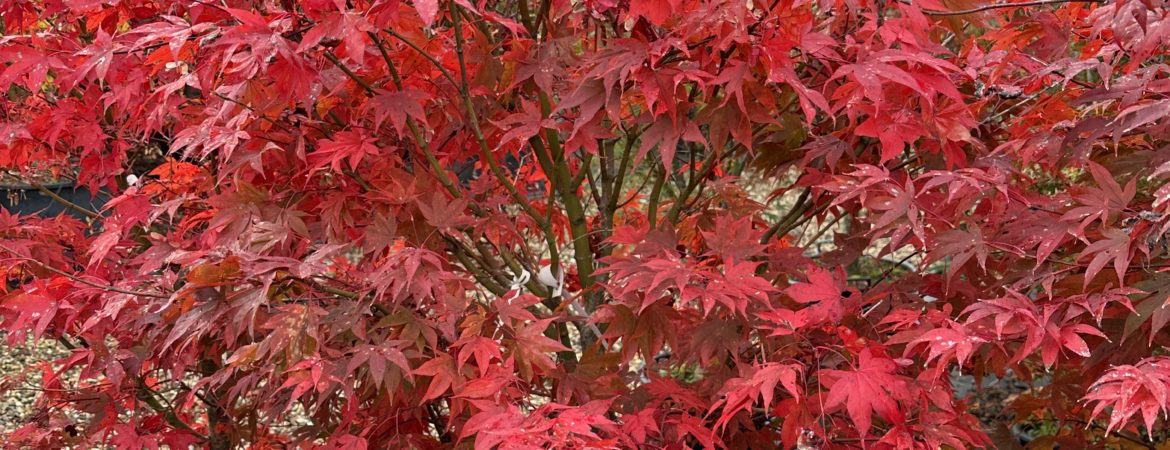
<point>442,69</point>
<point>70,276</point>
<point>798,208</point>
<point>961,12</point>
<point>824,229</point>
<point>150,397</point>
<point>59,199</point>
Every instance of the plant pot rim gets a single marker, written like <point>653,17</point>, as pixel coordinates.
<point>8,186</point>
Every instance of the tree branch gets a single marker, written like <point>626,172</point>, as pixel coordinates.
<point>429,153</point>
<point>485,150</point>
<point>59,199</point>
<point>709,166</point>
<point>961,12</point>
<point>574,210</point>
<point>446,73</point>
<point>70,276</point>
<point>798,208</point>
<point>655,194</point>
<point>147,395</point>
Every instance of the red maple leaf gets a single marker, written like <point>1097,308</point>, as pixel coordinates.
<point>348,147</point>
<point>826,295</point>
<point>398,106</point>
<point>531,347</point>
<point>1130,389</point>
<point>872,387</point>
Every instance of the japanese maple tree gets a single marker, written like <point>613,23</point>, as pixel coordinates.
<point>588,224</point>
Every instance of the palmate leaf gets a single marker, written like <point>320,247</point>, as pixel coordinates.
<point>1132,389</point>
<point>948,343</point>
<point>398,106</point>
<point>826,294</point>
<point>872,387</point>
<point>531,348</point>
<point>666,240</point>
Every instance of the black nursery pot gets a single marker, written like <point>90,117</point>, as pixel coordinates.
<point>24,199</point>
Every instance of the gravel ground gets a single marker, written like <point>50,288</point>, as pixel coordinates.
<point>17,393</point>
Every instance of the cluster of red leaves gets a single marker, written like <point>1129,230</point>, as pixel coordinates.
<point>539,224</point>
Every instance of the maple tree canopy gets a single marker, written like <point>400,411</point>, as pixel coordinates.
<point>522,224</point>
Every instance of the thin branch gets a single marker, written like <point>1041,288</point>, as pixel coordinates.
<point>147,395</point>
<point>429,153</point>
<point>798,207</point>
<point>491,278</point>
<point>483,259</point>
<point>526,17</point>
<point>350,73</point>
<point>330,289</point>
<point>252,110</point>
<point>820,209</point>
<point>59,199</point>
<point>655,194</point>
<point>541,17</point>
<point>824,229</point>
<point>713,161</point>
<point>70,276</point>
<point>709,166</point>
<point>580,177</point>
<point>197,394</point>
<point>886,273</point>
<point>446,73</point>
<point>379,310</point>
<point>961,12</point>
<point>620,175</point>
<point>485,150</point>
<point>485,278</point>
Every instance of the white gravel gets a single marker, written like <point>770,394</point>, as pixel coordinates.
<point>20,379</point>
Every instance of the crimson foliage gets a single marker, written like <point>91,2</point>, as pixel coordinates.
<point>571,224</point>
